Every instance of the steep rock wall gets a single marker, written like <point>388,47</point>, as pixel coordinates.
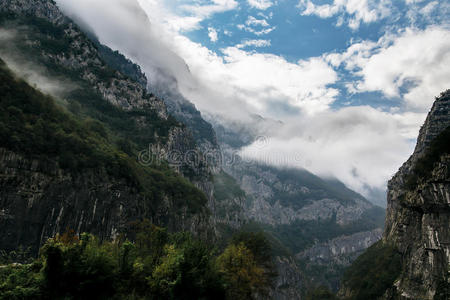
<point>38,200</point>
<point>418,218</point>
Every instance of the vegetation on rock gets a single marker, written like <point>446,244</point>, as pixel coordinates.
<point>424,165</point>
<point>32,124</point>
<point>373,272</point>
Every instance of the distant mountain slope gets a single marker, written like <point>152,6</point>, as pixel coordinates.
<point>415,248</point>
<point>305,214</point>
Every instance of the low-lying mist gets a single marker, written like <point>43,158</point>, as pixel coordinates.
<point>34,73</point>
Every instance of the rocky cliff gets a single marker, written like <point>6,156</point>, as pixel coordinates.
<point>418,214</point>
<point>416,239</point>
<point>38,200</point>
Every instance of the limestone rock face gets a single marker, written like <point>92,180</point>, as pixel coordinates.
<point>418,218</point>
<point>38,200</point>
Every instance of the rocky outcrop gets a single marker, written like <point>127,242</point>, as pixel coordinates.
<point>418,217</point>
<point>323,209</point>
<point>166,87</point>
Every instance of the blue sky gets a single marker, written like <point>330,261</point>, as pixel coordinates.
<point>295,35</point>
<point>351,80</point>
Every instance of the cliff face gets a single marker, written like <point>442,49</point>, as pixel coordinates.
<point>418,215</point>
<point>412,261</point>
<point>38,199</point>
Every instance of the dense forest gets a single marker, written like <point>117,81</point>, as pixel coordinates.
<point>152,264</point>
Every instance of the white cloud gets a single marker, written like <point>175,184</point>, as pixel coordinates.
<point>413,1</point>
<point>254,43</point>
<point>212,34</point>
<point>420,13</point>
<point>262,31</point>
<point>429,8</point>
<point>256,26</point>
<point>260,4</point>
<point>361,146</point>
<point>255,80</point>
<point>268,16</point>
<point>252,21</point>
<point>366,11</point>
<point>214,6</point>
<point>192,14</point>
<point>419,58</point>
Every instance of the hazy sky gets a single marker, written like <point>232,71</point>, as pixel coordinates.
<point>352,80</point>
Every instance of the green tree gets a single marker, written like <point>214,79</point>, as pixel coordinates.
<point>187,271</point>
<point>243,277</point>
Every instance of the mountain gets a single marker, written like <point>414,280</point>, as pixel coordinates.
<point>85,178</point>
<point>89,144</point>
<point>412,261</point>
